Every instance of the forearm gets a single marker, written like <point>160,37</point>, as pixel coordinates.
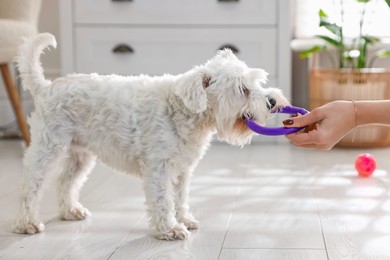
<point>373,112</point>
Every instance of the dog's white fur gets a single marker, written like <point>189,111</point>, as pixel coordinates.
<point>155,127</point>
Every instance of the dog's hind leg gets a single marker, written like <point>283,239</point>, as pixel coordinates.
<point>40,161</point>
<point>77,165</point>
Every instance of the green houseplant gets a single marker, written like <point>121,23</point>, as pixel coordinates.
<point>351,77</point>
<point>352,53</point>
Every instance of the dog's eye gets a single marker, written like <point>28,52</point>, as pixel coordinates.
<point>244,90</point>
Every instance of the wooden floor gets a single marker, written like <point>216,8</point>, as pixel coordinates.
<point>259,202</point>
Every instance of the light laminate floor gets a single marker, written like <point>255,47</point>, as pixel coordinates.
<point>259,202</point>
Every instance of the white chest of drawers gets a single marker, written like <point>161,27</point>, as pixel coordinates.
<point>131,37</point>
<point>171,36</point>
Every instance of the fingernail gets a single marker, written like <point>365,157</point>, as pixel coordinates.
<point>288,122</point>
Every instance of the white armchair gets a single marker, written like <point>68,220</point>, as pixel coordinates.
<point>18,18</point>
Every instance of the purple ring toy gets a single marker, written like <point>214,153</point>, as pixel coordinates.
<point>272,131</point>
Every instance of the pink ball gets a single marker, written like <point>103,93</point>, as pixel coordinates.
<point>365,164</point>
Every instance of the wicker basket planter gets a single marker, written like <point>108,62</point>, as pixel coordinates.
<point>346,84</point>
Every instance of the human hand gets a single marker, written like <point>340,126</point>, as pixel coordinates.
<point>324,126</point>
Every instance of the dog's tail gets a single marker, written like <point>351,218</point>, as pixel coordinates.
<point>28,63</point>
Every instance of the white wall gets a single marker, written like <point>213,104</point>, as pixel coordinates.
<point>49,22</point>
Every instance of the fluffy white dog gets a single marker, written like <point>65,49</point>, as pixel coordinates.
<point>157,128</point>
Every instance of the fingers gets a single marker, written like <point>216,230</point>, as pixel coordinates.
<point>311,139</point>
<point>305,141</point>
<point>303,120</point>
<point>311,136</point>
<point>323,127</point>
<point>302,139</point>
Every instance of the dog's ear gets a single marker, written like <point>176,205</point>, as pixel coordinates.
<point>191,89</point>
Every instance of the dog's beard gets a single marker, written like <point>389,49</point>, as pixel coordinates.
<point>235,133</point>
<point>241,133</point>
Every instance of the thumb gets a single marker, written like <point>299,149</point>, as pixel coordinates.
<point>302,120</point>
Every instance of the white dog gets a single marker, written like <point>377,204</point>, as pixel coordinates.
<point>157,128</point>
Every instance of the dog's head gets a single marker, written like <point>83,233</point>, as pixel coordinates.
<point>229,91</point>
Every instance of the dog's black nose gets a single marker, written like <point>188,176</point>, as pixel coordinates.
<point>271,103</point>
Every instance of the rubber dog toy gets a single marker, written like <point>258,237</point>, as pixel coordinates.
<point>272,131</point>
<point>365,164</point>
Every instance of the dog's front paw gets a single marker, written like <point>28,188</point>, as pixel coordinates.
<point>75,213</point>
<point>179,232</point>
<point>28,227</point>
<point>190,223</point>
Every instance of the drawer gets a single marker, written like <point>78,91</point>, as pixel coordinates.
<point>206,12</point>
<point>158,51</point>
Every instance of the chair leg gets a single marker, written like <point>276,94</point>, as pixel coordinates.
<point>15,101</point>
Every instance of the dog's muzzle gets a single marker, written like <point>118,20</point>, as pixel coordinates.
<point>271,104</point>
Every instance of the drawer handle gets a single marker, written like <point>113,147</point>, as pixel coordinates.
<point>234,49</point>
<point>122,48</point>
<point>228,1</point>
<point>121,0</point>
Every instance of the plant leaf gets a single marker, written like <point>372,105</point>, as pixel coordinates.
<point>383,53</point>
<point>379,54</point>
<point>363,1</point>
<point>370,39</point>
<point>309,52</point>
<point>321,13</point>
<point>335,42</point>
<point>388,2</point>
<point>332,27</point>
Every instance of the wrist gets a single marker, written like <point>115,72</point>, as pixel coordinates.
<point>372,112</point>
<point>361,113</point>
<point>355,112</point>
